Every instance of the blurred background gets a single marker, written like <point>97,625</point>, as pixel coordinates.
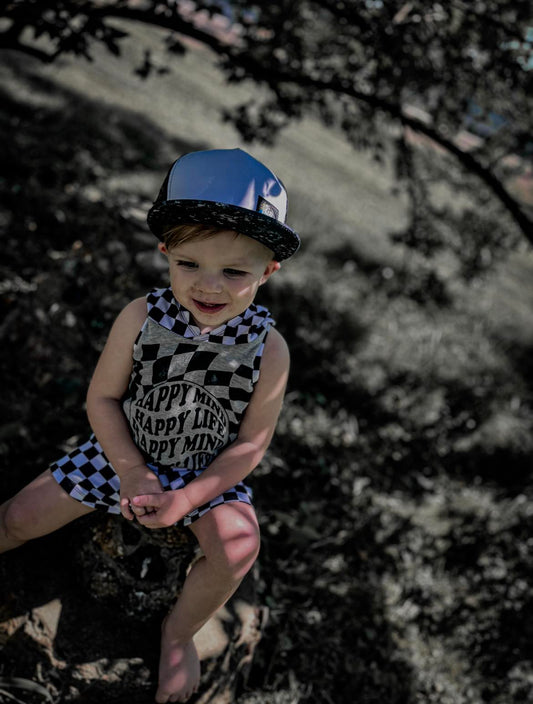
<point>395,500</point>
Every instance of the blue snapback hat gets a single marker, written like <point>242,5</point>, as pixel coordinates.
<point>226,188</point>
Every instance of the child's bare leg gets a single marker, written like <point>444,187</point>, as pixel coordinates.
<point>229,538</point>
<point>38,509</point>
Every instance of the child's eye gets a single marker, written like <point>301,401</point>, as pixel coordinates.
<point>186,264</point>
<point>234,273</point>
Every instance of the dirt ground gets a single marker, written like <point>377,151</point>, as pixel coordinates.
<point>395,500</point>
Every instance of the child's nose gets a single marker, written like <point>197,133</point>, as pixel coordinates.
<point>209,283</point>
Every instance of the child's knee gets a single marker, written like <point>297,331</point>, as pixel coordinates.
<point>239,555</point>
<point>234,544</point>
<point>243,549</point>
<point>15,520</point>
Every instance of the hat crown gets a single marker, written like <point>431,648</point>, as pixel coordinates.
<point>229,176</point>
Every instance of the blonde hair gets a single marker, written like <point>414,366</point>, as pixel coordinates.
<point>180,234</point>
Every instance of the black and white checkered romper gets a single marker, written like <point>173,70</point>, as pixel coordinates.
<point>186,398</point>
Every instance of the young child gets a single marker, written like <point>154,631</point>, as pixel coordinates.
<point>186,394</point>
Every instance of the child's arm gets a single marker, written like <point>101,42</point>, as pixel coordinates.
<point>242,456</point>
<point>104,407</point>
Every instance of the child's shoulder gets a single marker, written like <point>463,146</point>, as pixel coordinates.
<point>131,318</point>
<point>276,356</point>
<point>138,307</point>
<point>135,311</point>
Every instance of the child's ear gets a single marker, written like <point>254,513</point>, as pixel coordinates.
<point>271,268</point>
<point>162,248</point>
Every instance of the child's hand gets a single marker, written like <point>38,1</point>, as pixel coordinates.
<point>137,480</point>
<point>162,510</point>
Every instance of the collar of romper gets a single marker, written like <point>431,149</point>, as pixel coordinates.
<point>167,312</point>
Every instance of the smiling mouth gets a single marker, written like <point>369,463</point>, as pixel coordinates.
<point>209,307</point>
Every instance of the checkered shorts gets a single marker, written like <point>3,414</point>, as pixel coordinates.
<point>86,475</point>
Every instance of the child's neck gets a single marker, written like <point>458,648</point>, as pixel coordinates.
<point>205,329</point>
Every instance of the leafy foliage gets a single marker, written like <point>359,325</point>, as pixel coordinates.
<point>395,77</point>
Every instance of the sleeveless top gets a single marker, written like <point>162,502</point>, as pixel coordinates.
<point>188,391</point>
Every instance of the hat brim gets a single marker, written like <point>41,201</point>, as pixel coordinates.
<point>277,236</point>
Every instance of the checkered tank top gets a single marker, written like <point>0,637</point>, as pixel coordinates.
<point>188,392</point>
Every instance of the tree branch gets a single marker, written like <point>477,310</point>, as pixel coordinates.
<point>175,23</point>
<point>468,161</point>
<point>8,42</point>
<point>274,78</point>
<point>491,19</point>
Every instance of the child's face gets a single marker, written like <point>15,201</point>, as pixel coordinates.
<point>217,278</point>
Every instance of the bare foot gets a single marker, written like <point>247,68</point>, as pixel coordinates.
<point>179,670</point>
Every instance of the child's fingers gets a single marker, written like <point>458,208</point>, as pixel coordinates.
<point>150,520</point>
<point>125,509</point>
<point>149,501</point>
